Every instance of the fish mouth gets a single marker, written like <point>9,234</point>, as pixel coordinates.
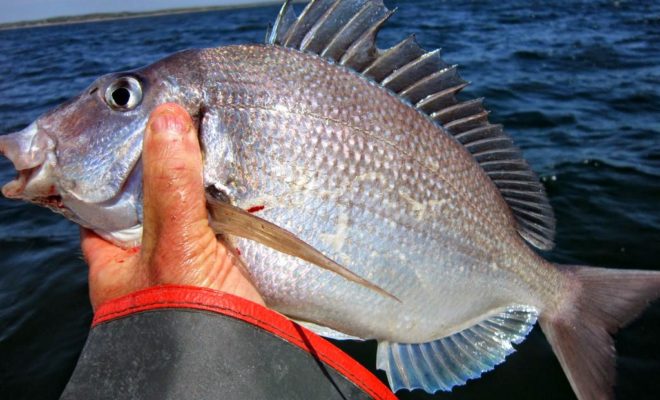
<point>31,153</point>
<point>16,189</point>
<point>20,189</point>
<point>53,202</point>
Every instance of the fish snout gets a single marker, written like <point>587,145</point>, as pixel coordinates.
<point>27,150</point>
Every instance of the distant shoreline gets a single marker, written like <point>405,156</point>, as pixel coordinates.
<point>80,19</point>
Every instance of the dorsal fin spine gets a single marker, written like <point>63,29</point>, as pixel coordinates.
<point>469,121</point>
<point>488,154</point>
<point>309,36</point>
<point>280,26</point>
<point>422,86</point>
<point>502,163</point>
<point>461,110</point>
<point>433,102</point>
<point>306,19</point>
<point>504,184</point>
<point>521,193</point>
<point>442,117</point>
<point>386,57</point>
<point>479,131</point>
<point>366,40</point>
<point>410,65</point>
<point>487,140</point>
<point>353,23</point>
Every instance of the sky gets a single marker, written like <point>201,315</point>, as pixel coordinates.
<point>27,10</point>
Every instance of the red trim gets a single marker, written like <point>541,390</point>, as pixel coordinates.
<point>161,297</point>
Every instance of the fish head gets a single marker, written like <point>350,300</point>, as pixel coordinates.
<point>82,159</point>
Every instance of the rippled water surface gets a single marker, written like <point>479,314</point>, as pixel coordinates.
<point>576,83</point>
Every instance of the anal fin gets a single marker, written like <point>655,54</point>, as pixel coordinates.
<point>453,360</point>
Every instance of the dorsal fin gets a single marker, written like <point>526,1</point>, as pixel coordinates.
<point>345,31</point>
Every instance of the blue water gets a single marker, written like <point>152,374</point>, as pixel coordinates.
<point>576,83</point>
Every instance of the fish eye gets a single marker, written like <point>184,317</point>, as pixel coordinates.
<point>124,94</point>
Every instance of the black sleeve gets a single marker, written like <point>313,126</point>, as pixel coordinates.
<point>176,342</point>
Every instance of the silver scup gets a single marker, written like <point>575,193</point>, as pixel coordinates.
<point>367,157</point>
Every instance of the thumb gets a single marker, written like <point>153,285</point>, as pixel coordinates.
<point>174,202</point>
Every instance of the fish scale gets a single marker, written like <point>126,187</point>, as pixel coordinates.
<point>279,163</point>
<point>418,183</point>
<point>365,199</point>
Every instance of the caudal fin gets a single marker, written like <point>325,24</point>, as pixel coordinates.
<point>599,303</point>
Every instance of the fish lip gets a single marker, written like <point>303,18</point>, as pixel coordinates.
<point>15,188</point>
<point>26,149</point>
<point>31,153</point>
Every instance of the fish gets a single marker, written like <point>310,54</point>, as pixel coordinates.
<point>370,162</point>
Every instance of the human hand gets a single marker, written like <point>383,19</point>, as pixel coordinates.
<point>178,246</point>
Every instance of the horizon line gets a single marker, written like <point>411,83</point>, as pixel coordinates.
<point>110,16</point>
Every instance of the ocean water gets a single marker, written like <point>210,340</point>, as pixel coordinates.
<point>576,83</point>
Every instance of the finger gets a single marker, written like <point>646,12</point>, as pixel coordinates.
<point>112,270</point>
<point>174,202</point>
<point>98,251</point>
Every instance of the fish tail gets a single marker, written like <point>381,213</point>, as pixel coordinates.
<point>597,303</point>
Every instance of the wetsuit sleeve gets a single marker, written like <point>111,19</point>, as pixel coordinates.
<point>175,342</point>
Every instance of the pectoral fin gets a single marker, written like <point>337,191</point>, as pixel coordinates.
<point>229,219</point>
